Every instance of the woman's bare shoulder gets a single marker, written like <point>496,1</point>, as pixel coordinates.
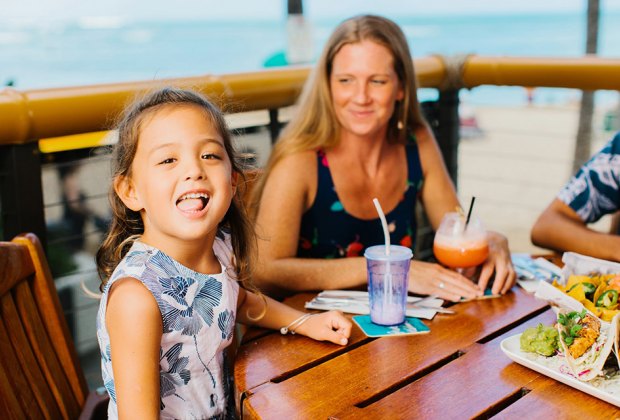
<point>295,177</point>
<point>424,136</point>
<point>296,166</point>
<point>306,158</point>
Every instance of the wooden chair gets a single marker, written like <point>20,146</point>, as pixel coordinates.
<point>40,375</point>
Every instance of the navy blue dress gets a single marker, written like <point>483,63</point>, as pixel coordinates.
<point>328,231</point>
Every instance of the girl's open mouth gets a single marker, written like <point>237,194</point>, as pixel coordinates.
<point>193,202</point>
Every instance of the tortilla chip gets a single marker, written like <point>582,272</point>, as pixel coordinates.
<point>592,308</point>
<point>558,286</point>
<point>574,279</point>
<point>608,314</point>
<point>577,293</point>
<point>599,291</point>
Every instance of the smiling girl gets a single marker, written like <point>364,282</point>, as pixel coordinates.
<point>178,246</point>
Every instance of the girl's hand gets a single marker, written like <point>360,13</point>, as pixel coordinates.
<point>500,262</point>
<point>433,279</point>
<point>327,326</point>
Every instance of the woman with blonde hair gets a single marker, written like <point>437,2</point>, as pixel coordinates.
<point>358,133</point>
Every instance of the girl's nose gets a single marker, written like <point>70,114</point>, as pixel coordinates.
<point>194,171</point>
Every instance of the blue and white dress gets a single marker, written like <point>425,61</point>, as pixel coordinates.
<point>595,190</point>
<point>198,317</point>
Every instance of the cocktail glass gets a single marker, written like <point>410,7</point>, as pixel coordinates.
<point>460,245</point>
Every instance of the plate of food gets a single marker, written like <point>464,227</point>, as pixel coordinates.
<point>579,351</point>
<point>586,282</point>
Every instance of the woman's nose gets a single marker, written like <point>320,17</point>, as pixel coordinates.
<point>361,93</point>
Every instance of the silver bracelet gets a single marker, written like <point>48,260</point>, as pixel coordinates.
<point>295,324</point>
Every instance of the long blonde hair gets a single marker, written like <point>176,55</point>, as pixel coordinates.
<point>315,126</point>
<point>126,225</point>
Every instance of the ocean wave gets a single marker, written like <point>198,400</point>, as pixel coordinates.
<point>420,31</point>
<point>14,38</point>
<point>101,22</point>
<point>138,36</point>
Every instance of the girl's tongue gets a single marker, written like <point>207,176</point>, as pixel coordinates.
<point>192,204</point>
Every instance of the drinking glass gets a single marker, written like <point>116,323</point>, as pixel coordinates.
<point>459,245</point>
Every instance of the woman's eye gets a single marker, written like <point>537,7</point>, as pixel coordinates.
<point>210,156</point>
<point>378,82</point>
<point>344,80</point>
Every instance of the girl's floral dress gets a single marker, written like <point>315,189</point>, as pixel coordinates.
<point>198,318</point>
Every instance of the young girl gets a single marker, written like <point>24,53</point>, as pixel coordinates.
<point>178,244</point>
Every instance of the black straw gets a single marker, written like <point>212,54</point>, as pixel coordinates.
<point>471,207</point>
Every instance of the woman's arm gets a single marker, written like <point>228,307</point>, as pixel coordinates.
<point>134,323</point>
<point>439,197</point>
<point>438,193</point>
<point>325,326</point>
<point>288,193</point>
<point>561,229</point>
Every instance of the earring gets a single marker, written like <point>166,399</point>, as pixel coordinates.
<point>399,125</point>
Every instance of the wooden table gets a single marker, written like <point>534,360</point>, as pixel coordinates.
<point>456,371</point>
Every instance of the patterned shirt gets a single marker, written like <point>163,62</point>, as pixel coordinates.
<point>329,231</point>
<point>198,317</point>
<point>595,190</point>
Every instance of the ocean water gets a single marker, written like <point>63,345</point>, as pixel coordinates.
<point>101,50</point>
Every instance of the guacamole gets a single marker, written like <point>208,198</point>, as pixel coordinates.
<point>541,339</point>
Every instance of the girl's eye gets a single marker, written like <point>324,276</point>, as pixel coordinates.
<point>210,156</point>
<point>167,161</point>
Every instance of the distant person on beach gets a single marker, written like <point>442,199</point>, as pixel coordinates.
<point>358,134</point>
<point>592,193</point>
<point>529,90</point>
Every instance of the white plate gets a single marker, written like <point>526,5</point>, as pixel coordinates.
<point>555,367</point>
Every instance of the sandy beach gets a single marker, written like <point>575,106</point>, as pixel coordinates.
<point>519,163</point>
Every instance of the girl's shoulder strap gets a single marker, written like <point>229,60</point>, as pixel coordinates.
<point>222,247</point>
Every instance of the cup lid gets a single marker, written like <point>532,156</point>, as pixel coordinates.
<point>397,253</point>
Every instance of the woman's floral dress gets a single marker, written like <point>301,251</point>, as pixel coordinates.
<point>329,231</point>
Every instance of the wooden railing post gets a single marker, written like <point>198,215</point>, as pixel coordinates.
<point>447,130</point>
<point>21,191</point>
<point>274,125</point>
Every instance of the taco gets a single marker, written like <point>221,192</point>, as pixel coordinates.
<point>587,342</point>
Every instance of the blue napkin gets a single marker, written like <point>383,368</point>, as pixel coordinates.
<point>409,327</point>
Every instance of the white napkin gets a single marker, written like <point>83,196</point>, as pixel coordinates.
<point>356,302</point>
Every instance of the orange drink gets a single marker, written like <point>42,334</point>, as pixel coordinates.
<point>459,244</point>
<point>463,255</point>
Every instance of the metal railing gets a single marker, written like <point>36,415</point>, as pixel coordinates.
<point>28,116</point>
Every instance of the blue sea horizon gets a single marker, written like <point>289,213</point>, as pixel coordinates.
<point>36,55</point>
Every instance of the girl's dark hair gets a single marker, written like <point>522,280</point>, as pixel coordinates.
<point>126,224</point>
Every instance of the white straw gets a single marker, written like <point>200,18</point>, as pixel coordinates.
<point>387,281</point>
<point>386,233</point>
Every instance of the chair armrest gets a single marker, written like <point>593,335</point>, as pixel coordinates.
<point>96,406</point>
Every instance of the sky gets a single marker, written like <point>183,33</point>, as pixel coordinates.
<point>272,9</point>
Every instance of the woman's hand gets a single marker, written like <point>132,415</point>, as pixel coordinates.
<point>327,326</point>
<point>433,279</point>
<point>499,261</point>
